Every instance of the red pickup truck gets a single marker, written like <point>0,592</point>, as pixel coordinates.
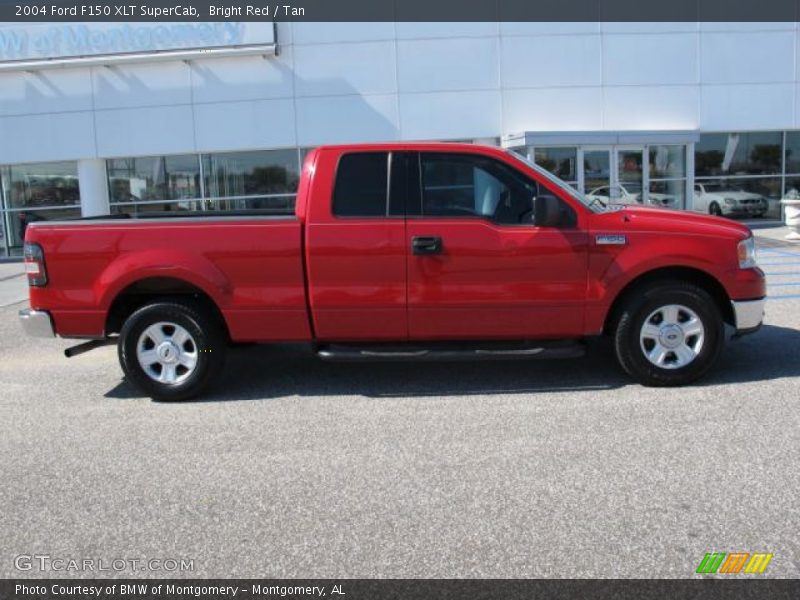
<point>401,251</point>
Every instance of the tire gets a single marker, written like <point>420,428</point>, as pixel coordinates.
<point>714,209</point>
<point>172,350</point>
<point>657,339</point>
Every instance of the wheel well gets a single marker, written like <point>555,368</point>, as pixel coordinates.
<point>153,289</point>
<point>686,274</point>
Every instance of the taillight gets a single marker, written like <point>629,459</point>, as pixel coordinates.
<point>34,265</point>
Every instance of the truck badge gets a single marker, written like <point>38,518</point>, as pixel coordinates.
<point>610,240</point>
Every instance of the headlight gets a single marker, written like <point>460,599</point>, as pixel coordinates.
<point>746,251</point>
<point>730,201</point>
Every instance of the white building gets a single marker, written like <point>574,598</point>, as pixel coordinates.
<point>125,118</point>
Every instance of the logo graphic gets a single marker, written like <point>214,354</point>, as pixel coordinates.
<point>717,562</point>
<point>610,239</point>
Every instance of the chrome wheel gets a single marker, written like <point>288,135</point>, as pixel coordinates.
<point>167,353</point>
<point>672,336</point>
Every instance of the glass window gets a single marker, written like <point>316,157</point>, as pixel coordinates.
<point>148,208</point>
<point>303,153</point>
<point>740,197</point>
<point>596,169</point>
<point>738,154</point>
<point>459,185</point>
<point>361,185</point>
<point>269,176</point>
<point>792,152</point>
<point>17,221</point>
<point>629,168</point>
<point>154,178</point>
<point>670,193</point>
<point>40,185</point>
<point>560,161</point>
<point>793,187</point>
<point>667,162</point>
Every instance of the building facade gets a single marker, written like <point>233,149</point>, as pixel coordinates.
<point>111,118</point>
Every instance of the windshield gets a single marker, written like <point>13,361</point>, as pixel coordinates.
<point>590,203</point>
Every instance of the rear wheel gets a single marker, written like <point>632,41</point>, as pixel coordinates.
<point>669,334</point>
<point>171,350</point>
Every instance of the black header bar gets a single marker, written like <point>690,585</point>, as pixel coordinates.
<point>398,10</point>
<point>397,589</point>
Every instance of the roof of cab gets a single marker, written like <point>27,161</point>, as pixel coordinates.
<point>411,146</point>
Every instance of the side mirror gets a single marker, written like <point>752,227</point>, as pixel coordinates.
<point>546,211</point>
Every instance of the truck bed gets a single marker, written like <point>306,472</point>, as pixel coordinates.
<point>250,266</point>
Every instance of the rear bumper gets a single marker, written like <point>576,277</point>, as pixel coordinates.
<point>749,315</point>
<point>37,323</point>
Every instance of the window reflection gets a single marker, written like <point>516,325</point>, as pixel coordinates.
<point>738,197</point>
<point>263,179</point>
<point>44,184</point>
<point>269,176</point>
<point>154,178</point>
<point>738,154</point>
<point>667,161</point>
<point>668,193</point>
<point>17,222</point>
<point>560,161</point>
<point>792,153</point>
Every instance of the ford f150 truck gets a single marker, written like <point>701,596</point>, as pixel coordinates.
<point>400,251</point>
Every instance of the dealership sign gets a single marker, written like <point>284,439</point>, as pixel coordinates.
<point>87,40</point>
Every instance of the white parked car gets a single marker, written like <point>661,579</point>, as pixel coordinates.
<point>719,199</point>
<point>628,194</point>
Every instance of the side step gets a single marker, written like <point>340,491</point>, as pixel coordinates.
<point>453,351</point>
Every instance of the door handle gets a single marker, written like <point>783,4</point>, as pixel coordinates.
<point>426,246</point>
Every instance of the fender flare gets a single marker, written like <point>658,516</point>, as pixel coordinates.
<point>188,267</point>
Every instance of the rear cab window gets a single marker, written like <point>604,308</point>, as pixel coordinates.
<point>361,188</point>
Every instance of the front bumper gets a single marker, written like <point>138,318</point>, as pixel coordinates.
<point>745,211</point>
<point>749,315</point>
<point>37,323</point>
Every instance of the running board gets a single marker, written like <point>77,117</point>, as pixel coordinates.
<point>451,351</point>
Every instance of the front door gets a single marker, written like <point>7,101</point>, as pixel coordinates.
<point>596,174</point>
<point>478,266</point>
<point>629,181</point>
<point>613,174</point>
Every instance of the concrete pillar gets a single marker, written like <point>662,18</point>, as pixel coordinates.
<point>93,186</point>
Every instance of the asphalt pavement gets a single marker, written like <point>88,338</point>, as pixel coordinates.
<point>295,468</point>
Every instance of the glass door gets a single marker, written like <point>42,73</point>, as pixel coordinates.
<point>595,177</point>
<point>628,186</point>
<point>654,174</point>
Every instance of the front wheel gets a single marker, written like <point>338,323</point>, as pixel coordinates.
<point>171,350</point>
<point>670,334</point>
<point>714,209</point>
